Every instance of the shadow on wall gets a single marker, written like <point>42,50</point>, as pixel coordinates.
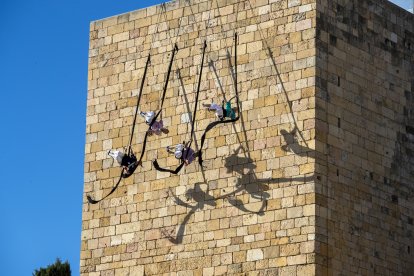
<point>247,182</point>
<point>244,167</point>
<point>293,144</point>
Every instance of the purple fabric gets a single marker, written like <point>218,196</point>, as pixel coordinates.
<point>157,126</point>
<point>188,154</point>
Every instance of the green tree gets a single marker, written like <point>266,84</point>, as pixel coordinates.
<point>56,269</point>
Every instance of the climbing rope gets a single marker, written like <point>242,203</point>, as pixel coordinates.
<point>92,201</point>
<point>138,102</point>
<point>123,175</point>
<point>175,49</point>
<point>177,170</point>
<point>215,123</point>
<point>130,153</point>
<point>155,162</point>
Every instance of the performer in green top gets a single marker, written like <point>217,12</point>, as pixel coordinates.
<point>223,111</point>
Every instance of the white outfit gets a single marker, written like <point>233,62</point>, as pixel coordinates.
<point>149,116</point>
<point>179,151</point>
<point>117,155</point>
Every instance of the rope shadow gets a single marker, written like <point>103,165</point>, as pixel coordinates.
<point>190,118</point>
<point>248,182</point>
<point>214,69</point>
<point>211,65</point>
<point>270,53</point>
<point>233,75</point>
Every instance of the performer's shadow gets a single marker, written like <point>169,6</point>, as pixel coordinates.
<point>247,182</point>
<point>292,143</point>
<point>201,198</point>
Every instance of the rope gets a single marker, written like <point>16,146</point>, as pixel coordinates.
<point>215,123</point>
<point>138,102</point>
<point>92,201</point>
<point>125,175</point>
<point>177,170</point>
<point>132,169</point>
<point>198,92</point>
<point>175,49</point>
<point>164,12</point>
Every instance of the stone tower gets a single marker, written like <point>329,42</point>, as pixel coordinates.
<point>315,178</point>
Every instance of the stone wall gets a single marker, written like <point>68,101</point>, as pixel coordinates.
<point>365,157</point>
<point>315,178</point>
<point>252,207</point>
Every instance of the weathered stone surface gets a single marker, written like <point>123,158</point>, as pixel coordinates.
<point>313,179</point>
<point>361,128</point>
<point>254,255</point>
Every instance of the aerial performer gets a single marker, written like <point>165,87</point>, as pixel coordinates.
<point>222,111</point>
<point>183,152</point>
<point>128,162</point>
<point>157,127</point>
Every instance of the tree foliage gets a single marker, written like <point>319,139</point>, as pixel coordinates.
<point>56,269</point>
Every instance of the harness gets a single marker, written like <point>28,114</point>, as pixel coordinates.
<point>227,110</point>
<point>129,159</point>
<point>132,165</point>
<point>130,162</point>
<point>177,170</point>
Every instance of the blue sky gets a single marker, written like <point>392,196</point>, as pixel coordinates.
<point>43,73</point>
<point>406,4</point>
